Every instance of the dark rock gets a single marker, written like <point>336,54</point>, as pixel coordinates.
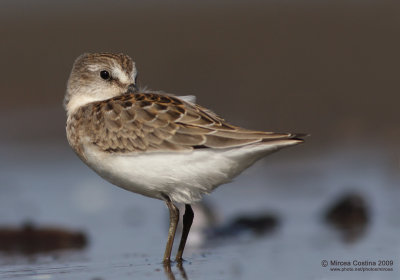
<point>258,225</point>
<point>350,215</point>
<point>28,239</point>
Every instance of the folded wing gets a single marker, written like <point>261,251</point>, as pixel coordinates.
<point>139,122</point>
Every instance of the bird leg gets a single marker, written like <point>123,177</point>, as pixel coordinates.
<point>187,223</point>
<point>173,221</point>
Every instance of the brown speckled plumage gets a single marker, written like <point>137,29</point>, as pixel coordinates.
<point>144,122</point>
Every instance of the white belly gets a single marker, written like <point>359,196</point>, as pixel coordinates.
<point>183,177</point>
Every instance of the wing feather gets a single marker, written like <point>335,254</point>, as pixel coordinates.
<point>138,122</point>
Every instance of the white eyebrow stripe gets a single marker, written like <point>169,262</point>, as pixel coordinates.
<point>121,75</point>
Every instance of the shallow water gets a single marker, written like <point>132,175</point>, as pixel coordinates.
<point>127,232</point>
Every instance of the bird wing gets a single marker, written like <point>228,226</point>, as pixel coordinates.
<point>139,122</point>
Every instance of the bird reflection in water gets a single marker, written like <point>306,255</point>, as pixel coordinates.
<point>170,274</point>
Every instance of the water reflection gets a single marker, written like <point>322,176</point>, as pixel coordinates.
<point>170,274</point>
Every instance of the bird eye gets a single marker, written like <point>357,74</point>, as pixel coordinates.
<point>105,75</point>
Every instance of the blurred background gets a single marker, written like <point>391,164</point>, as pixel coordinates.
<point>328,68</point>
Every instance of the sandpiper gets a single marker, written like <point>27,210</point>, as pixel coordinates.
<point>156,144</point>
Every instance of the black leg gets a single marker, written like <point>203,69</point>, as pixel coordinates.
<point>187,223</point>
<point>173,221</point>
